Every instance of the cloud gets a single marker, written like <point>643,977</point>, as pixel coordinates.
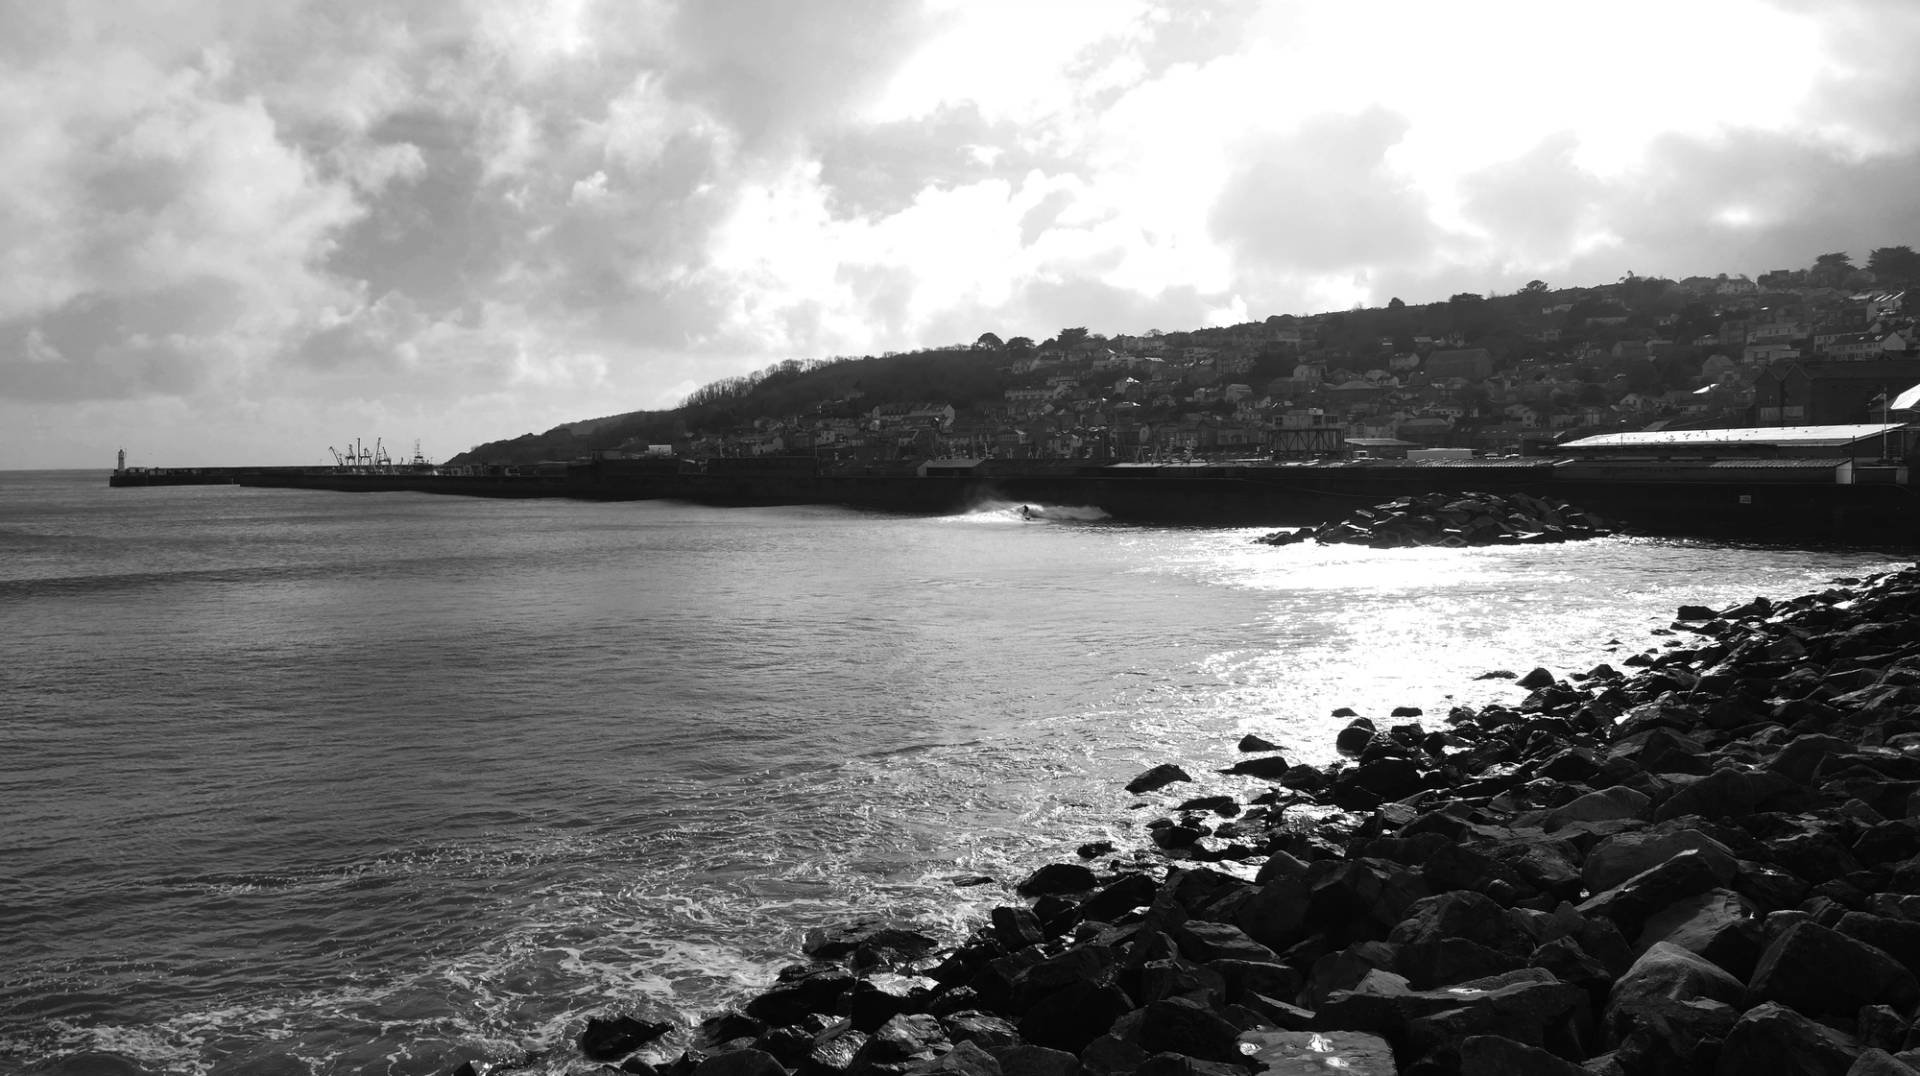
<point>520,212</point>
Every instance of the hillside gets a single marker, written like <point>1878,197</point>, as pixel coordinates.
<point>1480,370</point>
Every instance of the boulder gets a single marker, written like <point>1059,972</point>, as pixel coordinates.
<point>1251,742</point>
<point>1070,1018</point>
<point>1056,878</point>
<point>1318,1053</point>
<point>1666,972</point>
<point>748,1062</point>
<point>1819,971</point>
<point>1037,1061</point>
<point>1774,1040</point>
<point>1184,1026</point>
<point>611,1038</point>
<point>1718,924</point>
<point>1623,855</point>
<point>965,1059</point>
<point>1158,777</point>
<point>1497,1055</point>
<point>1629,904</point>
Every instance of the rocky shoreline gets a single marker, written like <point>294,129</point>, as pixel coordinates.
<point>1706,863</point>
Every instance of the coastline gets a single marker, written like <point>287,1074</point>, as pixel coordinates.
<point>1704,865</point>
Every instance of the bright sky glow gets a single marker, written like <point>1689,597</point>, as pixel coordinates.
<point>237,233</point>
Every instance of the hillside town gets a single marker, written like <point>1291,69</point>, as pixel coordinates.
<point>1495,375</point>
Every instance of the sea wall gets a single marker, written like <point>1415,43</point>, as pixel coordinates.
<point>1707,861</point>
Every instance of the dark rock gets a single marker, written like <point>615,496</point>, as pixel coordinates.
<point>1733,794</point>
<point>1676,1037</point>
<point>1354,738</point>
<point>902,1040</point>
<point>1774,1040</point>
<point>1823,972</point>
<point>1623,855</point>
<point>1629,904</point>
<point>615,1037</point>
<point>1094,849</point>
<point>837,943</point>
<point>815,990</point>
<point>965,1059</point>
<point>1016,927</point>
<point>748,1062</point>
<point>1071,1018</point>
<point>1119,897</point>
<point>1496,1055</point>
<point>1204,942</point>
<point>1877,1062</point>
<point>1058,878</point>
<point>1085,965</point>
<point>1271,767</point>
<point>833,1051</point>
<point>1037,1061</point>
<point>1666,972</point>
<point>1316,1053</point>
<point>1250,742</point>
<point>1184,1026</point>
<point>727,1026</point>
<point>1224,806</point>
<point>1535,679</point>
<point>1158,777</point>
<point>1695,613</point>
<point>1718,924</point>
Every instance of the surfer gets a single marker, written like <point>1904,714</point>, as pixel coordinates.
<point>1025,512</point>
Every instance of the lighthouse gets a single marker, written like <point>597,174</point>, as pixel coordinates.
<point>122,465</point>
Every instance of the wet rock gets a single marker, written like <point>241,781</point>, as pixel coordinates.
<point>812,990</point>
<point>1355,737</point>
<point>1313,1053</point>
<point>748,1062</point>
<point>883,940</point>
<point>1016,927</point>
<point>1251,742</point>
<point>965,1059</point>
<point>608,1039</point>
<point>1158,777</point>
<point>1271,767</point>
<point>1676,1037</point>
<point>1058,878</point>
<point>1774,1040</point>
<point>1535,679</point>
<point>1877,1062</point>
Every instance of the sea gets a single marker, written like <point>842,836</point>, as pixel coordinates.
<point>301,783</point>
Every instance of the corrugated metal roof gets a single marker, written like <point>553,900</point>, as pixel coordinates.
<point>1774,463</point>
<point>1791,436</point>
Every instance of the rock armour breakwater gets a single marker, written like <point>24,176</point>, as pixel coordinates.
<point>1709,865</point>
<point>1464,519</point>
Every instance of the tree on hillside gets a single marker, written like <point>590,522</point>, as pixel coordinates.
<point>1895,265</point>
<point>1020,345</point>
<point>988,342</point>
<point>1070,337</point>
<point>1830,270</point>
<point>1534,287</point>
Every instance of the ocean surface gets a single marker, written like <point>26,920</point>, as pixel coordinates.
<point>300,782</point>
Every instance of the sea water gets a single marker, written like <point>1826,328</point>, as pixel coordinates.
<point>302,782</point>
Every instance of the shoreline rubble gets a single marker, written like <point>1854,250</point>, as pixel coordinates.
<point>1709,863</point>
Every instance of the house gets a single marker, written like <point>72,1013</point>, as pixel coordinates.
<point>1474,364</point>
<point>1828,392</point>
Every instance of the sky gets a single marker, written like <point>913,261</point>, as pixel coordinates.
<point>240,232</point>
